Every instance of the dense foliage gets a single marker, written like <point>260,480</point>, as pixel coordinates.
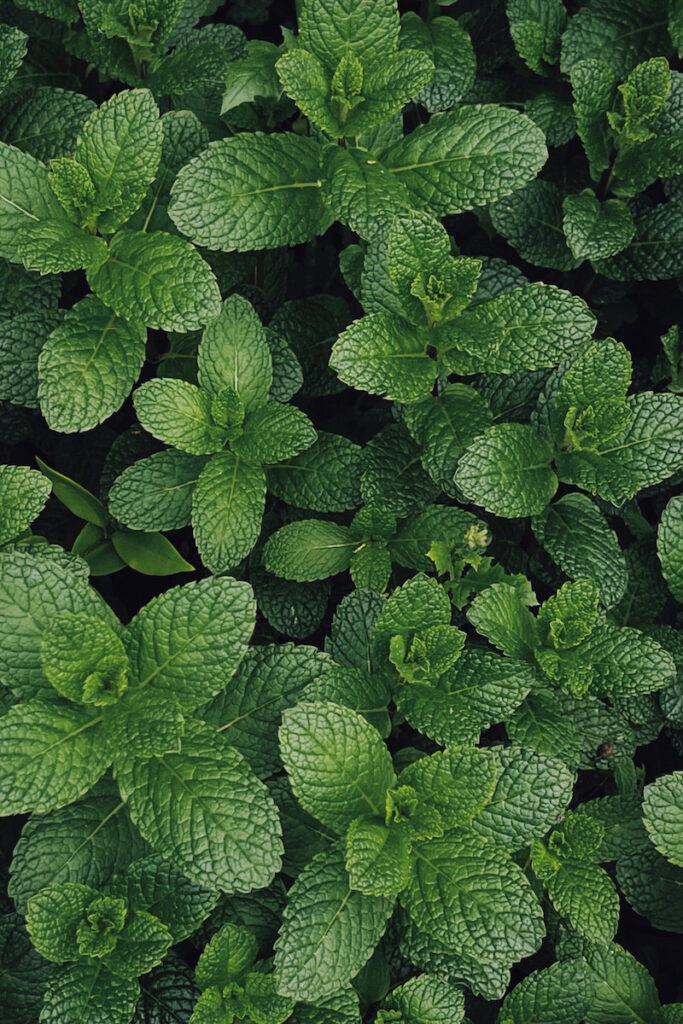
<point>341,525</point>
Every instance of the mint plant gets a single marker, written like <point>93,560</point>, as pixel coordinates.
<point>341,527</point>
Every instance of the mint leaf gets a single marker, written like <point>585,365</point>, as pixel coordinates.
<point>508,471</point>
<point>156,493</point>
<point>87,990</point>
<point>309,549</point>
<point>227,509</point>
<point>158,280</point>
<point>328,931</point>
<point>377,858</point>
<point>670,545</point>
<point>272,199</point>
<point>662,815</point>
<point>384,355</point>
<point>26,198</point>
<point>179,414</point>
<point>234,354</point>
<point>596,230</point>
<point>208,790</point>
<point>337,763</point>
<point>23,494</point>
<point>88,366</point>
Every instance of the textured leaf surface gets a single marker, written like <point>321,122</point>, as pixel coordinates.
<point>468,157</point>
<point>234,354</point>
<point>324,478</point>
<point>88,366</point>
<point>310,549</point>
<point>21,339</point>
<point>507,470</point>
<point>156,493</point>
<point>227,508</point>
<point>337,763</point>
<point>670,546</point>
<point>25,972</point>
<point>663,815</point>
<point>204,810</point>
<point>384,355</point>
<point>188,642</point>
<point>328,930</point>
<point>87,991</point>
<point>158,280</point>
<point>23,494</point>
<point>469,894</point>
<point>179,413</point>
<point>25,197</point>
<point>559,994</point>
<point>251,192</point>
<point>622,988</point>
<point>53,753</point>
<point>44,121</point>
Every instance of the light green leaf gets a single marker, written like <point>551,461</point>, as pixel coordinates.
<point>269,193</point>
<point>25,198</point>
<point>179,413</point>
<point>663,815</point>
<point>77,499</point>
<point>468,157</point>
<point>55,246</point>
<point>507,470</point>
<point>360,191</point>
<point>324,478</point>
<point>120,146</point>
<point>469,894</point>
<point>536,27</point>
<point>337,763</point>
<point>428,999</point>
<point>448,46</point>
<point>596,230</point>
<point>53,916</point>
<point>623,989</point>
<point>84,659</point>
<point>593,84</point>
<point>88,366</point>
<point>52,754</point>
<point>368,29</point>
<point>23,495</point>
<point>384,355</point>
<point>186,644</point>
<point>670,545</point>
<point>585,895</point>
<point>227,957</point>
<point>227,509</point>
<point>149,553</point>
<point>253,76</point>
<point>524,329</point>
<point>578,538</point>
<point>309,549</point>
<point>273,433</point>
<point>204,810</point>
<point>377,858</point>
<point>248,712</point>
<point>328,930</point>
<point>458,781</point>
<point>156,493</point>
<point>234,354</point>
<point>158,280</point>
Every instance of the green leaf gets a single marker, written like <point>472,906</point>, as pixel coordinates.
<point>88,991</point>
<point>532,791</point>
<point>33,589</point>
<point>351,630</point>
<point>139,725</point>
<point>444,426</point>
<point>458,782</point>
<point>337,763</point>
<point>559,994</point>
<point>324,478</point>
<point>531,221</point>
<point>120,147</point>
<point>368,30</point>
<point>149,553</point>
<point>593,84</point>
<point>141,946</point>
<point>248,712</point>
<point>448,46</point>
<point>76,498</point>
<point>158,280</point>
<point>309,549</point>
<point>360,191</point>
<point>623,989</point>
<point>328,930</point>
<point>21,339</point>
<point>227,509</point>
<point>578,538</point>
<point>273,433</point>
<point>23,495</point>
<point>596,230</point>
<point>377,858</point>
<point>470,895</point>
<point>663,815</point>
<point>26,973</point>
<point>270,194</point>
<point>536,28</point>
<point>156,493</point>
<point>204,810</point>
<point>167,993</point>
<point>670,545</point>
<point>227,957</point>
<point>54,246</point>
<point>652,885</point>
<point>655,253</point>
<point>585,895</point>
<point>187,643</point>
<point>88,366</point>
<point>393,476</point>
<point>53,754</point>
<point>467,157</point>
<point>524,329</point>
<point>87,842</point>
<point>507,470</point>
<point>419,604</point>
<point>253,76</point>
<point>428,999</point>
<point>647,449</point>
<point>480,690</point>
<point>44,121</point>
<point>622,34</point>
<point>234,354</point>
<point>53,916</point>
<point>84,659</point>
<point>384,355</point>
<point>12,52</point>
<point>499,614</point>
<point>25,198</point>
<point>179,413</point>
